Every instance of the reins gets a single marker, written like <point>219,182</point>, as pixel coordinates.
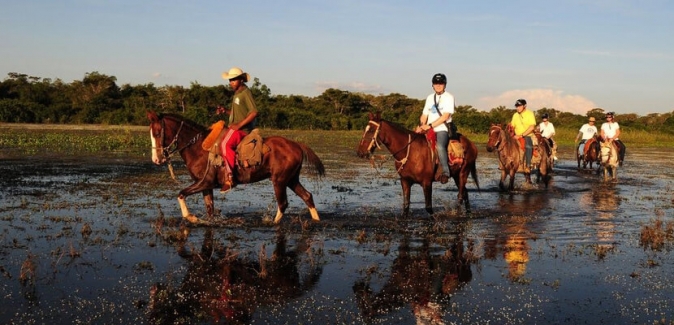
<point>375,141</point>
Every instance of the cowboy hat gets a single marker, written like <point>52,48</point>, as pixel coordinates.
<point>235,72</point>
<point>592,119</point>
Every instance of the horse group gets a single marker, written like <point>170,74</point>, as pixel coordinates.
<point>602,153</point>
<point>415,161</point>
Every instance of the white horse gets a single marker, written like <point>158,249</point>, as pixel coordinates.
<point>609,159</point>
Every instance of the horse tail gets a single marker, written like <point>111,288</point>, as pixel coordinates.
<point>473,164</point>
<point>310,156</point>
<point>473,173</point>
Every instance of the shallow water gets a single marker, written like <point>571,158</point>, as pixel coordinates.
<point>568,254</point>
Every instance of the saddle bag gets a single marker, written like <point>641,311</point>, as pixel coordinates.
<point>251,149</point>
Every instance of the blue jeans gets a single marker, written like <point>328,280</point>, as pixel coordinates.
<point>581,147</point>
<point>528,150</point>
<point>442,138</point>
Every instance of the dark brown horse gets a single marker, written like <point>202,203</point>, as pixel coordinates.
<point>511,157</point>
<point>172,133</point>
<point>591,152</point>
<point>413,159</point>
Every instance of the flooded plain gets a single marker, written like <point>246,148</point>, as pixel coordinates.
<point>100,240</point>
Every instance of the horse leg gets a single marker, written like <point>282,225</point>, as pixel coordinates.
<point>501,184</point>
<point>305,195</point>
<point>208,201</point>
<point>281,199</point>
<point>406,185</point>
<point>428,196</point>
<point>511,187</point>
<point>194,188</point>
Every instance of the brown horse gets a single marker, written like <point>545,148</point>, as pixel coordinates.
<point>172,133</point>
<point>591,153</point>
<point>511,157</point>
<point>413,159</point>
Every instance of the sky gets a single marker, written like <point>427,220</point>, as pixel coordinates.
<point>570,55</point>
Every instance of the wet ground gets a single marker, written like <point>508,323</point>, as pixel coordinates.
<point>99,240</point>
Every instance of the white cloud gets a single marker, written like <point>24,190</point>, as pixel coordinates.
<point>539,98</point>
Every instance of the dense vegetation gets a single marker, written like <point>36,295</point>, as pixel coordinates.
<point>97,99</point>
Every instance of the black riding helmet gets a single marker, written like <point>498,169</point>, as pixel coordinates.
<point>545,115</point>
<point>439,78</point>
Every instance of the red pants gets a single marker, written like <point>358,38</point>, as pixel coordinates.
<point>228,145</point>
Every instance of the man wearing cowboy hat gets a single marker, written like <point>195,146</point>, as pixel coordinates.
<point>587,131</point>
<point>242,120</point>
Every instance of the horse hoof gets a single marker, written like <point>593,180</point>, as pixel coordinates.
<point>192,218</point>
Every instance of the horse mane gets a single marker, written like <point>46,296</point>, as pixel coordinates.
<point>185,120</point>
<point>398,127</point>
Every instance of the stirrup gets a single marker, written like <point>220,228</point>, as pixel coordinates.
<point>229,185</point>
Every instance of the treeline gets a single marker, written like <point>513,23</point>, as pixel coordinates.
<point>97,99</point>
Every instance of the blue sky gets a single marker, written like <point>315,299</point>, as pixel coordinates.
<point>571,55</point>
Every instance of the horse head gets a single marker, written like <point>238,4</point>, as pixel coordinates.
<point>157,136</point>
<point>494,137</point>
<point>370,141</point>
<point>166,135</point>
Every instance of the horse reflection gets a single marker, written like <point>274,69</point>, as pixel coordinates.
<point>420,279</point>
<point>222,286</point>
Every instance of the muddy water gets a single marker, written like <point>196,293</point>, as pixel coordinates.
<point>99,240</point>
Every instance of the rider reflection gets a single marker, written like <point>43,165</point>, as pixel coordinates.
<point>419,278</point>
<point>220,285</point>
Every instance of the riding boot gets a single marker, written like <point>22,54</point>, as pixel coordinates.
<point>229,184</point>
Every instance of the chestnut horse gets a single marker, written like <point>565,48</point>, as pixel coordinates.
<point>413,159</point>
<point>511,157</point>
<point>591,152</point>
<point>172,133</point>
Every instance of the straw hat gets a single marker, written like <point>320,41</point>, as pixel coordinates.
<point>592,119</point>
<point>235,72</point>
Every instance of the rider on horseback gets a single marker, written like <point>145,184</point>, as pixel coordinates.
<point>524,123</point>
<point>437,115</point>
<point>610,131</point>
<point>547,132</point>
<point>242,120</point>
<point>587,131</point>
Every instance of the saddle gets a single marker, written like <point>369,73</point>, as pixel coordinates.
<point>249,151</point>
<point>455,150</point>
<point>588,144</point>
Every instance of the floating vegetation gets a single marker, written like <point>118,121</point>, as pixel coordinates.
<point>657,235</point>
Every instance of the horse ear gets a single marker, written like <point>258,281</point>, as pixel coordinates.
<point>152,116</point>
<point>371,116</point>
<point>378,116</point>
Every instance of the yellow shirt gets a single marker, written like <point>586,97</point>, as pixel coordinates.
<point>521,122</point>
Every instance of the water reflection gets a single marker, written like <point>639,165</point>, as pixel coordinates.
<point>514,231</point>
<point>601,204</point>
<point>418,279</point>
<point>220,285</point>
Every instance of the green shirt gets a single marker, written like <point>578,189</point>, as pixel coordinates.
<point>242,105</point>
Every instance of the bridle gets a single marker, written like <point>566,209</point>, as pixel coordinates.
<point>375,142</point>
<point>167,152</point>
<point>497,145</point>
